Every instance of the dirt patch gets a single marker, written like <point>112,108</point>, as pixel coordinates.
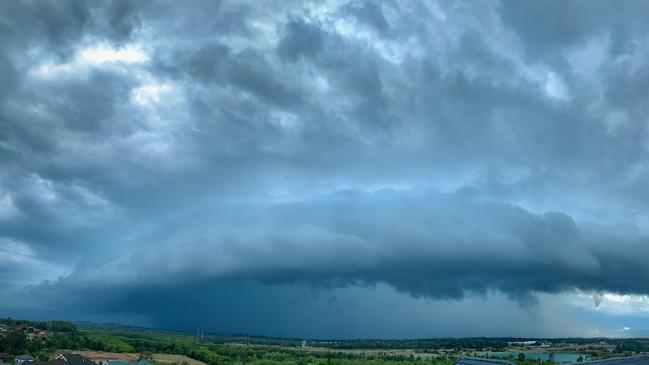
<point>98,356</point>
<point>105,356</point>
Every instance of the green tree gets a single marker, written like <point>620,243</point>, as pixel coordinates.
<point>521,356</point>
<point>15,342</point>
<point>580,358</point>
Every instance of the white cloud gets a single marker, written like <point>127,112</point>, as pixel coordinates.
<point>93,56</point>
<point>611,303</point>
<point>101,53</point>
<point>8,209</point>
<point>555,88</point>
<point>23,261</point>
<point>12,251</point>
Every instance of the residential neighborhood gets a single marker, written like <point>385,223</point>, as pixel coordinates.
<point>30,331</point>
<point>67,358</point>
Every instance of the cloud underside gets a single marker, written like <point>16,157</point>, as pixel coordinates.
<point>412,149</point>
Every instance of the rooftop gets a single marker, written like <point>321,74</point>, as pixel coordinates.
<point>75,359</point>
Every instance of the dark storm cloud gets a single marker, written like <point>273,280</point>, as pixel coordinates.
<point>434,245</point>
<point>56,24</point>
<point>548,27</point>
<point>446,151</point>
<point>300,39</point>
<point>123,18</point>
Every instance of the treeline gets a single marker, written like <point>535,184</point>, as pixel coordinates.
<point>419,344</point>
<point>633,345</point>
<point>54,326</point>
<point>423,344</point>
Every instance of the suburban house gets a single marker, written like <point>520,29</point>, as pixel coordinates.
<point>39,334</point>
<point>23,358</point>
<point>74,359</point>
<point>61,359</point>
<point>110,358</point>
<point>50,362</point>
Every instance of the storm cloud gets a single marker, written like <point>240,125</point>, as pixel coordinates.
<point>284,159</point>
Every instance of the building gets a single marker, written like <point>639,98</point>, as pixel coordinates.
<point>481,361</point>
<point>629,360</point>
<point>104,358</point>
<point>71,358</point>
<point>50,362</point>
<point>23,358</point>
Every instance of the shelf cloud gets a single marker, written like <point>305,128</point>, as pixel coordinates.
<point>301,159</point>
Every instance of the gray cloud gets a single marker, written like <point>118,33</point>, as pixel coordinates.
<point>441,151</point>
<point>434,245</point>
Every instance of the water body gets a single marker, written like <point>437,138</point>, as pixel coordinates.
<point>558,357</point>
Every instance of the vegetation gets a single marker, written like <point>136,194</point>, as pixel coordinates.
<point>436,343</point>
<point>243,350</point>
<point>213,351</point>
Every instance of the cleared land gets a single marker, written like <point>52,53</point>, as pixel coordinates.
<point>122,356</point>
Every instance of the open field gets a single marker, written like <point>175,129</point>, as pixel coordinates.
<point>175,359</point>
<point>105,356</point>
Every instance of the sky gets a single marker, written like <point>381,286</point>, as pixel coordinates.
<point>327,169</point>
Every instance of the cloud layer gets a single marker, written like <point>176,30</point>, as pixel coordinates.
<point>411,151</point>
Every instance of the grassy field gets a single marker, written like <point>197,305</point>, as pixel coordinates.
<point>175,359</point>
